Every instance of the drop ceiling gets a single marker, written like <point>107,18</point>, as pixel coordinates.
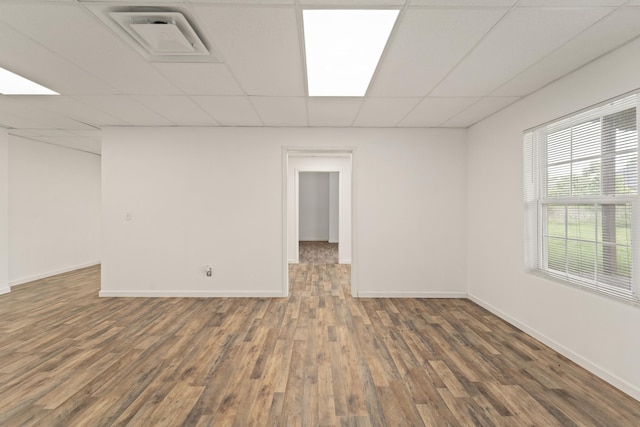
<point>448,63</point>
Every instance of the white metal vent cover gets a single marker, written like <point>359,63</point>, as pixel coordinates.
<point>163,36</point>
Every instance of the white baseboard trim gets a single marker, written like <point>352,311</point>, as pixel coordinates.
<point>385,294</point>
<point>5,290</point>
<point>28,279</point>
<point>344,261</point>
<point>612,379</point>
<point>172,294</point>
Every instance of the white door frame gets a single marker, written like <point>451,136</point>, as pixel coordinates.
<point>311,152</point>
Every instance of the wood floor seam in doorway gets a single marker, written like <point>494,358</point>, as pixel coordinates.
<point>317,358</point>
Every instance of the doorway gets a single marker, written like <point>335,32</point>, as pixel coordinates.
<point>321,166</point>
<point>318,217</point>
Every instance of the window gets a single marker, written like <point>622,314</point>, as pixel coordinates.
<point>581,198</point>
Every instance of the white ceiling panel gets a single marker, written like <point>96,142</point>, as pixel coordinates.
<point>249,2</point>
<point>578,3</point>
<point>201,78</point>
<point>28,133</point>
<point>93,133</point>
<point>90,145</point>
<point>281,111</point>
<point>433,112</point>
<point>260,45</point>
<point>130,1</point>
<point>355,3</point>
<point>605,35</point>
<point>125,109</point>
<point>28,58</point>
<point>478,111</point>
<point>79,37</point>
<point>463,3</point>
<point>229,110</point>
<point>518,41</point>
<point>72,108</point>
<point>333,111</point>
<point>27,107</point>
<point>384,112</point>
<point>180,110</point>
<point>11,120</point>
<point>417,59</point>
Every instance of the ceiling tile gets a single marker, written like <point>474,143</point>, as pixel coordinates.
<point>464,3</point>
<point>354,3</point>
<point>607,34</point>
<point>254,2</point>
<point>384,112</point>
<point>30,59</point>
<point>27,107</point>
<point>281,111</point>
<point>97,133</point>
<point>129,1</point>
<point>518,41</point>
<point>10,120</point>
<point>229,110</point>
<point>333,111</point>
<point>89,45</point>
<point>180,110</point>
<point>427,44</point>
<point>124,108</point>
<point>91,145</point>
<point>27,133</point>
<point>432,112</point>
<point>478,111</point>
<point>200,79</point>
<point>69,107</point>
<point>564,3</point>
<point>260,46</point>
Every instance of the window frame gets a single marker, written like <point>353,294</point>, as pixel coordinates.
<point>535,179</point>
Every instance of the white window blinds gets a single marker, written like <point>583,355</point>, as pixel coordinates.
<point>581,193</point>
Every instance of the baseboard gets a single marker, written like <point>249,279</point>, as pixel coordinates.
<point>344,261</point>
<point>612,379</point>
<point>386,294</point>
<point>28,279</point>
<point>5,290</point>
<point>172,294</point>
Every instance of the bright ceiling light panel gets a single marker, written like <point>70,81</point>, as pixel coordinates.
<point>13,84</point>
<point>343,48</point>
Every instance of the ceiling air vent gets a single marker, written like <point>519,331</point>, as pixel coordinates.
<point>163,36</point>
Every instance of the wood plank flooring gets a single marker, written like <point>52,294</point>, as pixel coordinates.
<point>318,358</point>
<point>318,252</point>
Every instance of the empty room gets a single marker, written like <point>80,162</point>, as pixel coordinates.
<point>319,213</point>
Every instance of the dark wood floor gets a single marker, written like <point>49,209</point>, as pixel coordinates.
<point>318,358</point>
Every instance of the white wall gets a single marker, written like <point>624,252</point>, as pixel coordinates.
<point>601,334</point>
<point>54,209</point>
<point>334,200</point>
<point>314,206</point>
<point>4,212</point>
<point>215,196</point>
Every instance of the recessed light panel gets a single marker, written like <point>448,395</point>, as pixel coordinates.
<point>13,84</point>
<point>343,48</point>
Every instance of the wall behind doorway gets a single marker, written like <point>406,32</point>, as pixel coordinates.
<point>319,206</point>
<point>314,206</point>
